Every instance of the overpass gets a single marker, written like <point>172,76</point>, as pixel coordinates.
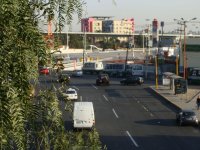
<point>100,34</point>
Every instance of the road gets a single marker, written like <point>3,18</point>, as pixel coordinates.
<point>132,117</point>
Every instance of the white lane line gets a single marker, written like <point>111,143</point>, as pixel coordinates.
<point>105,97</point>
<point>81,99</point>
<point>132,139</point>
<point>151,115</point>
<point>75,87</point>
<point>94,86</point>
<point>115,113</point>
<point>145,108</point>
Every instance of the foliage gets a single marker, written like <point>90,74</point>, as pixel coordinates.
<point>25,121</point>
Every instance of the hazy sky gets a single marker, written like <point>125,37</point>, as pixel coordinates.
<point>140,10</point>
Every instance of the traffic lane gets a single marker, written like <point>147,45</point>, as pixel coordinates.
<point>148,126</point>
<point>106,117</point>
<point>111,138</point>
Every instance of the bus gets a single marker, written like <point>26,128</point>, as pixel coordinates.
<point>92,67</point>
<point>116,69</point>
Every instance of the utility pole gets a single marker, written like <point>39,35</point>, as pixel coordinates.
<point>184,51</point>
<point>183,22</point>
<point>156,66</point>
<point>84,43</point>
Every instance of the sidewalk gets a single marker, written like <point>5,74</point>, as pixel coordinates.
<point>182,101</point>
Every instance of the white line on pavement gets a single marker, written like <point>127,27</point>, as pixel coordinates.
<point>151,115</point>
<point>105,97</point>
<point>94,86</point>
<point>81,99</point>
<point>132,139</point>
<point>145,108</point>
<point>115,113</point>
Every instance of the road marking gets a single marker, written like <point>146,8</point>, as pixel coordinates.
<point>81,99</point>
<point>94,86</point>
<point>115,113</point>
<point>75,87</point>
<point>132,139</point>
<point>151,115</point>
<point>105,97</point>
<point>145,108</point>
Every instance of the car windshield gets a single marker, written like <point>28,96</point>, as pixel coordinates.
<point>188,113</point>
<point>70,92</point>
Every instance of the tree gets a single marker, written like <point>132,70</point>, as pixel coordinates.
<point>25,124</point>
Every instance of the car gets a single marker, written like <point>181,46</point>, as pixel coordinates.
<point>63,78</point>
<point>71,94</point>
<point>44,71</point>
<point>186,117</point>
<point>103,79</point>
<point>132,80</point>
<point>77,73</point>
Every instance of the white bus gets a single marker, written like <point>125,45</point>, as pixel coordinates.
<point>137,69</point>
<point>93,67</point>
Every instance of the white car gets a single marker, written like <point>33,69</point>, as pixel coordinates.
<point>71,94</point>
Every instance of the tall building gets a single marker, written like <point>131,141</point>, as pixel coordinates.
<point>124,26</point>
<point>93,24</point>
<point>105,24</point>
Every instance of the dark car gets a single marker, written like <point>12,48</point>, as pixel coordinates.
<point>102,79</point>
<point>185,117</point>
<point>132,80</point>
<point>63,78</point>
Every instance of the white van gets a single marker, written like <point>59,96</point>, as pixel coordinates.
<point>83,115</point>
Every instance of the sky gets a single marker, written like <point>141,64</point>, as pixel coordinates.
<point>142,10</point>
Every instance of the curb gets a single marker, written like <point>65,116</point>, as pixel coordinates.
<point>177,107</point>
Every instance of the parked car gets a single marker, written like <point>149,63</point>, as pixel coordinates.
<point>63,78</point>
<point>71,94</point>
<point>186,117</point>
<point>102,79</point>
<point>44,71</point>
<point>77,73</point>
<point>132,80</point>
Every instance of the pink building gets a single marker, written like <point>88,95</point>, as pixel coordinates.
<point>87,24</point>
<point>105,24</point>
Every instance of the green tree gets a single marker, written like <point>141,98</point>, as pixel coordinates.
<point>28,122</point>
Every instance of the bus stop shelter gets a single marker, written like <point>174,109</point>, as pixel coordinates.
<point>176,83</point>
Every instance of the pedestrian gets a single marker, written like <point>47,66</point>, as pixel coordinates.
<point>198,102</point>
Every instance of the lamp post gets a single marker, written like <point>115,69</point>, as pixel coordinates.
<point>184,22</point>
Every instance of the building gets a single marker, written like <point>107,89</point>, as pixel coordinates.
<point>124,26</point>
<point>107,25</point>
<point>93,24</point>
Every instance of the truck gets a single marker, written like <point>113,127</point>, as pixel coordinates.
<point>83,115</point>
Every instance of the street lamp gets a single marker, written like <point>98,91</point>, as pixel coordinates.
<point>183,22</point>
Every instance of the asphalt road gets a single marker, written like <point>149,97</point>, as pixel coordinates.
<point>133,117</point>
